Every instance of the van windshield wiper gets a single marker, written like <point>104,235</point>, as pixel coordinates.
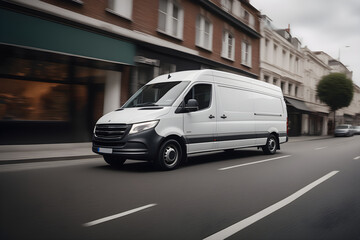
<point>145,104</point>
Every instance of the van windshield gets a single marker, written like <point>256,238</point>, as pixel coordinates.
<point>158,94</point>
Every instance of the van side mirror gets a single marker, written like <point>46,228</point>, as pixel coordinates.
<point>192,105</point>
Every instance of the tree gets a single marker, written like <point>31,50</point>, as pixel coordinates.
<point>336,90</point>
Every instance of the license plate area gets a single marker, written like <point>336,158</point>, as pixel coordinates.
<point>105,150</point>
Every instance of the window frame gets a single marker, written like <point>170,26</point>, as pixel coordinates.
<point>210,97</point>
<point>225,46</point>
<point>117,8</point>
<point>246,54</point>
<point>169,19</point>
<point>201,22</point>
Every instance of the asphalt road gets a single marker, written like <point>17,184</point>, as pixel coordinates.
<point>308,190</point>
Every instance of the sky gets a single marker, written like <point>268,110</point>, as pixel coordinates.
<point>331,26</point>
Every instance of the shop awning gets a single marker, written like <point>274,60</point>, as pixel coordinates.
<point>300,105</point>
<point>33,32</point>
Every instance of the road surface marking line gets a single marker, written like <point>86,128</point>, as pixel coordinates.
<point>319,148</point>
<point>356,158</point>
<point>251,163</point>
<point>229,231</point>
<point>119,215</point>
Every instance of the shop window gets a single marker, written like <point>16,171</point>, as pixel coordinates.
<point>39,70</point>
<point>171,18</point>
<point>122,8</point>
<point>34,101</point>
<point>167,68</point>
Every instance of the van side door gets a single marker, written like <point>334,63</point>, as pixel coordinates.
<point>235,117</point>
<point>200,125</point>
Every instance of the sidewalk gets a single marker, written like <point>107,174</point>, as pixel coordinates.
<point>45,152</point>
<point>10,154</point>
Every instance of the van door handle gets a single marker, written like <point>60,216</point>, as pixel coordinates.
<point>211,116</point>
<point>223,116</point>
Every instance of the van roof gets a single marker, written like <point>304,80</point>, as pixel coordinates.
<point>194,75</point>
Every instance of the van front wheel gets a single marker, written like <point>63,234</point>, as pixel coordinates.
<point>170,155</point>
<point>271,145</point>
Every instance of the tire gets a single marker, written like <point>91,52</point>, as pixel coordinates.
<point>114,161</point>
<point>271,145</point>
<point>170,155</point>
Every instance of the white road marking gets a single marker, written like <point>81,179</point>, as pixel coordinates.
<point>229,231</point>
<point>356,158</point>
<point>319,148</point>
<point>251,163</point>
<point>119,215</point>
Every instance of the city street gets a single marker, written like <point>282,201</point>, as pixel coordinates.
<point>307,190</point>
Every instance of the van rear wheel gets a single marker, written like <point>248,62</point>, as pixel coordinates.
<point>114,161</point>
<point>170,155</point>
<point>271,145</point>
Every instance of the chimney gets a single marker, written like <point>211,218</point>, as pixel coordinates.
<point>288,29</point>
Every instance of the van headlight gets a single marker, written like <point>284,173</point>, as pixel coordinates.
<point>139,127</point>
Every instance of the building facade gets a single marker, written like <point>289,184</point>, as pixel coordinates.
<point>298,70</point>
<point>350,114</point>
<point>66,63</point>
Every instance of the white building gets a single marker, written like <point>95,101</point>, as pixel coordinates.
<point>284,63</point>
<point>350,114</point>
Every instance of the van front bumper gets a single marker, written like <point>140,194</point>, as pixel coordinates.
<point>138,146</point>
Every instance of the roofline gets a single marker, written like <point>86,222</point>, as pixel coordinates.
<point>210,6</point>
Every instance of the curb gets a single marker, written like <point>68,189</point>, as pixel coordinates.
<point>49,159</point>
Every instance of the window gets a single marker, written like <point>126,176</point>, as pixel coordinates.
<point>227,5</point>
<point>252,21</point>
<point>228,46</point>
<point>290,88</point>
<point>204,30</point>
<point>202,93</point>
<point>158,94</point>
<point>282,85</point>
<point>266,49</point>
<point>275,81</point>
<point>291,63</point>
<point>122,8</point>
<point>266,78</point>
<point>296,65</point>
<point>246,54</point>
<point>275,54</point>
<point>167,68</point>
<point>170,18</point>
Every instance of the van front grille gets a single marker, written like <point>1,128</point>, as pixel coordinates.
<point>111,131</point>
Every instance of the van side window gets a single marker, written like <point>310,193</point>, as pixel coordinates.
<point>202,93</point>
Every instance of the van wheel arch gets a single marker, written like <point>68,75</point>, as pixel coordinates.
<point>170,144</point>
<point>272,144</point>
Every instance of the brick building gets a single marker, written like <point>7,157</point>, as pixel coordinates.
<point>68,62</point>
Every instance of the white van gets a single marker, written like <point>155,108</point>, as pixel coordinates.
<point>188,112</point>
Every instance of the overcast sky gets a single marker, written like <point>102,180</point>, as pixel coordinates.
<point>321,25</point>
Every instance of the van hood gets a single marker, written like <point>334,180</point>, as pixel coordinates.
<point>134,115</point>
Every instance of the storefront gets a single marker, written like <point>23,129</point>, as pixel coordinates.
<point>56,80</point>
<point>151,62</point>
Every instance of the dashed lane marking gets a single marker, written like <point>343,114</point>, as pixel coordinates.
<point>251,163</point>
<point>229,231</point>
<point>119,215</point>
